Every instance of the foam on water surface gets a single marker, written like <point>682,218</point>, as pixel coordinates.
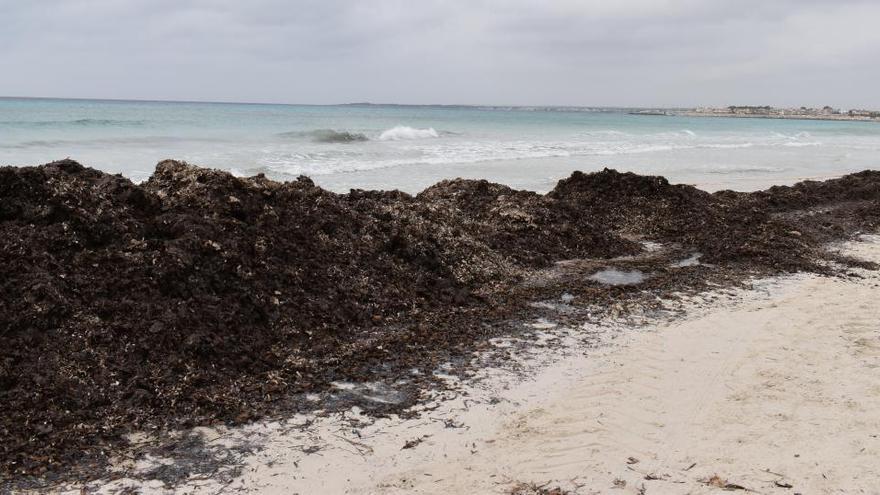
<point>409,148</point>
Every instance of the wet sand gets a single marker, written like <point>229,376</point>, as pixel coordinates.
<point>773,389</point>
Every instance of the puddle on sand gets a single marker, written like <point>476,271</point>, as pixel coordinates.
<point>613,276</point>
<point>371,391</point>
<point>561,305</point>
<point>693,260</point>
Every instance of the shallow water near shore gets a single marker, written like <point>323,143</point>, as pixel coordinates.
<point>412,147</point>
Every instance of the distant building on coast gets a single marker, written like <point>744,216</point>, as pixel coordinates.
<point>750,110</point>
<point>871,114</point>
<point>771,111</point>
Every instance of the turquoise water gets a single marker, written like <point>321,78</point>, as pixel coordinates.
<point>408,147</point>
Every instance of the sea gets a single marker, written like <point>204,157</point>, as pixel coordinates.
<point>404,147</point>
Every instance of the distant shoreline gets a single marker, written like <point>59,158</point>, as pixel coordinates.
<point>639,111</point>
<point>846,118</point>
<point>766,113</point>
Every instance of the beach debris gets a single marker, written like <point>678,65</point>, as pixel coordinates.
<point>414,442</point>
<point>719,482</point>
<point>535,489</point>
<point>312,449</point>
<point>452,423</point>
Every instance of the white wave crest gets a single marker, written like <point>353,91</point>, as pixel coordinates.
<point>801,144</point>
<point>402,132</point>
<point>792,137</point>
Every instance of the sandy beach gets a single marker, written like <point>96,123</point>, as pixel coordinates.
<point>771,389</point>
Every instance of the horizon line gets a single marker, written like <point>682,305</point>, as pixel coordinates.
<point>353,103</point>
<point>369,103</point>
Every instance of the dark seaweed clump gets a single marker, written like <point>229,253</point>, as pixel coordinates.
<point>199,297</point>
<point>328,136</point>
<point>331,136</point>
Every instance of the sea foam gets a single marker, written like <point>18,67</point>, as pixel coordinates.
<point>401,133</point>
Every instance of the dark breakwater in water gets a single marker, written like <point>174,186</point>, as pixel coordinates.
<point>199,297</point>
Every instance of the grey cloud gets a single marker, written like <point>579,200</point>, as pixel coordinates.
<point>587,52</point>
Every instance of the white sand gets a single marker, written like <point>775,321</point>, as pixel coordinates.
<point>780,388</point>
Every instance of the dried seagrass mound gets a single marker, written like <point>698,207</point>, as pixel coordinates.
<point>198,296</point>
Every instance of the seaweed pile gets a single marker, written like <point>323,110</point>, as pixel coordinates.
<point>199,297</point>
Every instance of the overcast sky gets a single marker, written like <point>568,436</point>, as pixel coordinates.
<point>588,52</point>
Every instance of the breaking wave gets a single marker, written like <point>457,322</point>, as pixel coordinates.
<point>801,145</point>
<point>726,170</point>
<point>291,161</point>
<point>401,133</point>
